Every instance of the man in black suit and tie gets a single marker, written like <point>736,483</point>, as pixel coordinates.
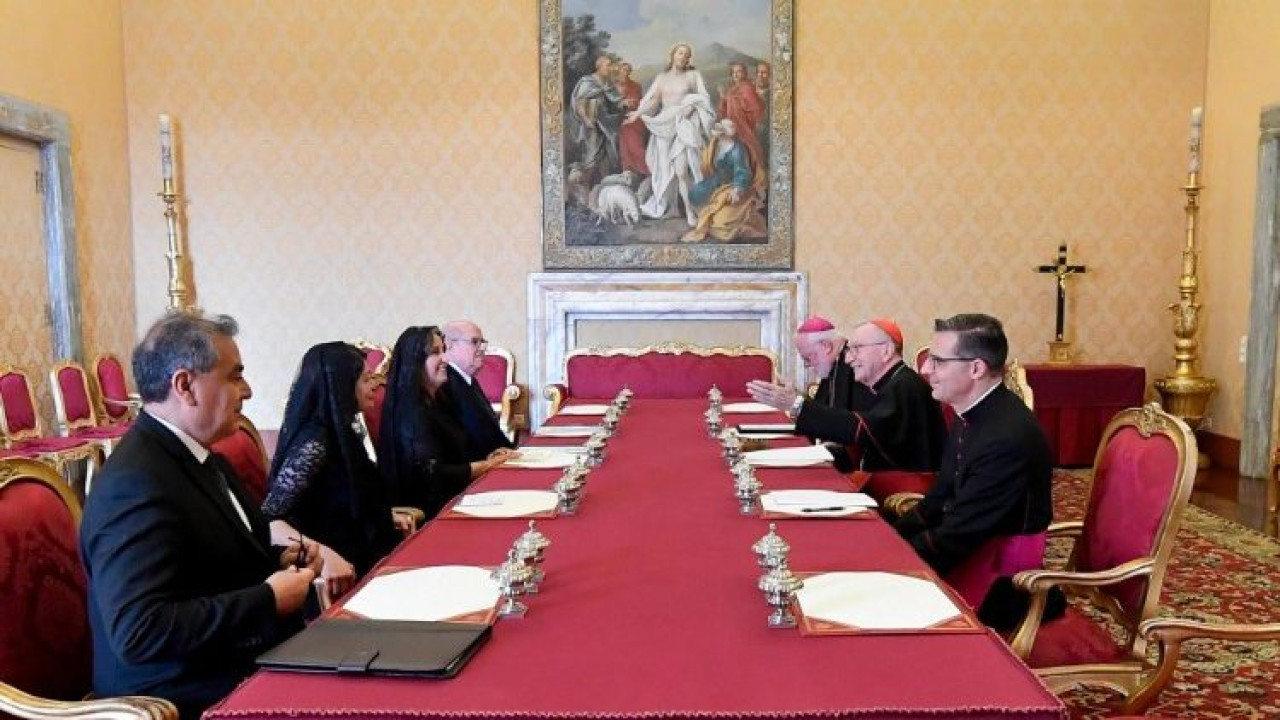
<point>185,588</point>
<point>464,349</point>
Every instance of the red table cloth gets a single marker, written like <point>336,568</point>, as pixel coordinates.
<point>650,609</point>
<point>1074,403</point>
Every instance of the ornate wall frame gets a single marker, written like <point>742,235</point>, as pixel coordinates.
<point>51,130</point>
<point>562,251</point>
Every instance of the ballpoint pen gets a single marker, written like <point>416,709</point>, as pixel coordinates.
<point>301,560</point>
<point>833,508</point>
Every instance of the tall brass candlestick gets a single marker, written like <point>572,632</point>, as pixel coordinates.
<point>181,294</point>
<point>1185,393</point>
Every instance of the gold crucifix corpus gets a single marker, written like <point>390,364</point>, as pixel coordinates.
<point>1061,269</point>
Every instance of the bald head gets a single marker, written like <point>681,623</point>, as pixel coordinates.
<point>464,345</point>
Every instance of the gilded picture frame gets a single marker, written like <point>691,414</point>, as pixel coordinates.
<point>666,140</point>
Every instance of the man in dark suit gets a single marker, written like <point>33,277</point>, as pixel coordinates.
<point>185,588</point>
<point>464,349</point>
<point>996,469</point>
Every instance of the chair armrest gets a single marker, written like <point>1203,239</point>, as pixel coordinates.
<point>900,504</point>
<point>1066,528</point>
<point>506,414</point>
<point>133,707</point>
<point>416,514</point>
<point>1039,582</point>
<point>132,402</point>
<point>557,393</point>
<point>1169,634</point>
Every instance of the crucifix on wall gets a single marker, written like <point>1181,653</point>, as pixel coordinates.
<point>1059,348</point>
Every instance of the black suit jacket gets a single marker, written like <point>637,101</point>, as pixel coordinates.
<point>484,434</point>
<point>178,604</point>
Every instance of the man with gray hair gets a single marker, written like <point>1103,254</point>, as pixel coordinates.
<point>185,588</point>
<point>464,349</point>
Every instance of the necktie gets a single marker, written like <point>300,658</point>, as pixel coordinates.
<point>223,489</point>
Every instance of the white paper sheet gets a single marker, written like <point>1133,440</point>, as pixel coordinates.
<point>566,430</point>
<point>429,593</point>
<point>875,600</point>
<point>583,410</point>
<point>803,456</point>
<point>748,407</point>
<point>816,503</point>
<point>506,503</point>
<point>542,457</point>
<point>757,428</point>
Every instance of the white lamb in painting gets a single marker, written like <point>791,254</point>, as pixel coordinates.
<point>617,203</point>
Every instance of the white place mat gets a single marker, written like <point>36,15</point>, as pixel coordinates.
<point>506,503</point>
<point>566,430</point>
<point>429,593</point>
<point>748,407</point>
<point>875,601</point>
<point>816,503</point>
<point>764,435</point>
<point>803,456</point>
<point>760,428</point>
<point>583,410</point>
<point>540,457</point>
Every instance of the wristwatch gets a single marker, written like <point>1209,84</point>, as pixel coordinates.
<point>794,411</point>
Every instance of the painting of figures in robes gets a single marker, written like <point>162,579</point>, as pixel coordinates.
<point>666,134</point>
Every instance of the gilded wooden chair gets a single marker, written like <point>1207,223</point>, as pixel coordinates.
<point>245,453</point>
<point>76,407</point>
<point>498,381</point>
<point>45,643</point>
<point>24,437</point>
<point>376,357</point>
<point>1142,479</point>
<point>1169,634</point>
<point>119,404</point>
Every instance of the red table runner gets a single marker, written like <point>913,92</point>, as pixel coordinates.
<point>650,609</point>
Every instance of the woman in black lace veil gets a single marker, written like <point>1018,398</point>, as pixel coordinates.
<point>323,482</point>
<point>422,447</point>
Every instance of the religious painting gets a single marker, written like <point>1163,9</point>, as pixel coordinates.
<point>666,134</point>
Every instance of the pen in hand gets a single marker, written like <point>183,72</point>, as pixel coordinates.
<point>300,561</point>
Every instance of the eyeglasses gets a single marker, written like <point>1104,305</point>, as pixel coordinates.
<point>475,342</point>
<point>932,359</point>
<point>856,347</point>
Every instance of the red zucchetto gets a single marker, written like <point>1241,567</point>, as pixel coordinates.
<point>815,324</point>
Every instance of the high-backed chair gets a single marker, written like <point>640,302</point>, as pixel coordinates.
<point>75,405</point>
<point>668,370</point>
<point>118,403</point>
<point>1142,479</point>
<point>1169,634</point>
<point>45,643</point>
<point>498,381</point>
<point>23,436</point>
<point>376,357</point>
<point>1015,378</point>
<point>246,454</point>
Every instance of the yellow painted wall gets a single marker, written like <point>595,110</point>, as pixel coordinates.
<point>67,54</point>
<point>1244,52</point>
<point>353,167</point>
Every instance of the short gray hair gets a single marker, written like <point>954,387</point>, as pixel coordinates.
<point>177,341</point>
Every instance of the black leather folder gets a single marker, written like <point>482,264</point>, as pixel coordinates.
<point>379,647</point>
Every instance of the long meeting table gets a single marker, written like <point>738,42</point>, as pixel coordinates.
<point>650,608</point>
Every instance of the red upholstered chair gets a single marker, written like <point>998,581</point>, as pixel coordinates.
<point>1142,478</point>
<point>376,357</point>
<point>669,370</point>
<point>74,402</point>
<point>498,381</point>
<point>244,452</point>
<point>45,644</point>
<point>118,403</point>
<point>23,435</point>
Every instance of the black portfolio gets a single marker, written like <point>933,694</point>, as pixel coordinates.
<point>379,647</point>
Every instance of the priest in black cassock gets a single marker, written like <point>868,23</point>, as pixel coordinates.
<point>996,467</point>
<point>893,422</point>
<point>464,349</point>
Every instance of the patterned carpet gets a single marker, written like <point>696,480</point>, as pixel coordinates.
<point>1222,572</point>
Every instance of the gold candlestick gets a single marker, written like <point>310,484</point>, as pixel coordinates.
<point>181,295</point>
<point>1185,393</point>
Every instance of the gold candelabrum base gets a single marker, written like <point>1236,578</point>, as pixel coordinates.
<point>1186,396</point>
<point>1060,353</point>
<point>181,289</point>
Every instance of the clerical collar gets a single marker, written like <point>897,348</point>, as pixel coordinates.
<point>200,452</point>
<point>464,375</point>
<point>984,395</point>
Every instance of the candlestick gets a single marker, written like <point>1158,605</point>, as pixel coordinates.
<point>166,148</point>
<point>1197,122</point>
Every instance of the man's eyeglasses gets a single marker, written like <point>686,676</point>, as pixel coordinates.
<point>932,359</point>
<point>475,342</point>
<point>856,347</point>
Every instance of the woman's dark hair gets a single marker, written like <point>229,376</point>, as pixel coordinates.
<point>324,394</point>
<point>403,411</point>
